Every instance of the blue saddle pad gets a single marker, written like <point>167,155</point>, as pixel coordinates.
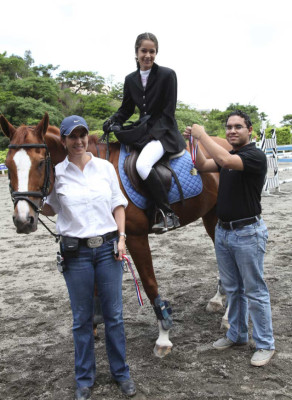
<point>191,184</point>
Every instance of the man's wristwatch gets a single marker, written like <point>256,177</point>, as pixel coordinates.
<point>123,234</point>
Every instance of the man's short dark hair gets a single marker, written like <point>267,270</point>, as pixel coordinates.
<point>241,114</point>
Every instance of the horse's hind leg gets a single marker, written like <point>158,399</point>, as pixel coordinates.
<point>217,302</point>
<point>140,252</point>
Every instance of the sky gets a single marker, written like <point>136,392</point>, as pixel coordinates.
<point>223,51</point>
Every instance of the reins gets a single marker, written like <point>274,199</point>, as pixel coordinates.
<point>56,236</point>
<point>105,137</point>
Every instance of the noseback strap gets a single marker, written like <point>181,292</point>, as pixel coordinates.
<point>27,146</point>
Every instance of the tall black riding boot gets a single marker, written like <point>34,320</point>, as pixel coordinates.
<point>159,195</point>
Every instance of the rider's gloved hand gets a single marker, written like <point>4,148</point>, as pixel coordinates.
<point>116,127</point>
<point>107,125</point>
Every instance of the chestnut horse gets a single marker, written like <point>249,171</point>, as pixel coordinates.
<point>29,152</point>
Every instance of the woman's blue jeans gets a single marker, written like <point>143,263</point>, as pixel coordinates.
<point>96,266</point>
<point>240,258</point>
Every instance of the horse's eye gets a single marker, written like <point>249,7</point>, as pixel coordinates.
<point>41,164</point>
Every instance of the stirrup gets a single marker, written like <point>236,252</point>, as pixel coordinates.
<point>169,221</point>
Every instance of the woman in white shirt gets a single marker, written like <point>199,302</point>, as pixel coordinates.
<point>91,222</point>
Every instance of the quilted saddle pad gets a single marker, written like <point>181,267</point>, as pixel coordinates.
<point>191,184</point>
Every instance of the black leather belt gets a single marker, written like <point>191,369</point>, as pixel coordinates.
<point>97,241</point>
<point>240,223</point>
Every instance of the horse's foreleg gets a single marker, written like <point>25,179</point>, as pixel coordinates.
<point>140,252</point>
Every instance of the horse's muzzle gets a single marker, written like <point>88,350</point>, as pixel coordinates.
<point>25,224</point>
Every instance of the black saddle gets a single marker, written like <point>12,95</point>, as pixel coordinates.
<point>162,167</point>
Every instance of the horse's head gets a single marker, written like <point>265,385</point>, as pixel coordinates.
<point>30,168</point>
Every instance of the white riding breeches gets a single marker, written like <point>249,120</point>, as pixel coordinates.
<point>151,153</point>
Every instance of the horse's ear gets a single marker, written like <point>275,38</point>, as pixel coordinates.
<point>42,126</point>
<point>6,127</point>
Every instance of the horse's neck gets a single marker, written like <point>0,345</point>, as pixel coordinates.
<point>100,150</point>
<point>56,148</point>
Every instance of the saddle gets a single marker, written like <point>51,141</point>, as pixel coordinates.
<point>162,167</point>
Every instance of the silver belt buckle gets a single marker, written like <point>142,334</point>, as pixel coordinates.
<point>95,242</point>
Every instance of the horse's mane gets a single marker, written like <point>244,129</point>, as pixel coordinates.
<point>54,130</point>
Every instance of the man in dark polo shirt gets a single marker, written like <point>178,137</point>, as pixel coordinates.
<point>241,235</point>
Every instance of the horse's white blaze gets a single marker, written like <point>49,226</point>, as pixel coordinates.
<point>23,164</point>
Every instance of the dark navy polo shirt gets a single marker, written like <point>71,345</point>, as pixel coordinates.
<point>239,194</point>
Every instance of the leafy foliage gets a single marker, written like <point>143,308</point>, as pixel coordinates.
<point>283,135</point>
<point>27,91</point>
<point>27,110</point>
<point>4,142</point>
<point>81,81</point>
<point>39,88</point>
<point>3,154</point>
<point>287,120</point>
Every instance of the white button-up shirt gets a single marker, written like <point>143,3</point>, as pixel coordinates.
<point>85,200</point>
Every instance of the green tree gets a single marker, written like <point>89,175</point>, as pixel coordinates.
<point>29,111</point>
<point>81,81</point>
<point>39,88</point>
<point>13,67</point>
<point>287,120</point>
<point>187,116</point>
<point>214,122</point>
<point>71,104</point>
<point>99,106</point>
<point>28,58</point>
<point>283,134</point>
<point>44,70</point>
<point>116,91</point>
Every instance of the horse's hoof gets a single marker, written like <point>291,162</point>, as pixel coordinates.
<point>224,324</point>
<point>214,306</point>
<point>162,351</point>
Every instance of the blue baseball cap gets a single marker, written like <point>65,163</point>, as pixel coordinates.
<point>70,123</point>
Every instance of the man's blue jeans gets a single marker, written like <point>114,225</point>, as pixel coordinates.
<point>96,265</point>
<point>240,258</point>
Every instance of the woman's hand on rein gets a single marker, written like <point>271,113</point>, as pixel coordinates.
<point>121,247</point>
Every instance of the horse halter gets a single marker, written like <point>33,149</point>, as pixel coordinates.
<point>16,196</point>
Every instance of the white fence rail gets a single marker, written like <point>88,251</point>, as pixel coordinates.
<point>275,155</point>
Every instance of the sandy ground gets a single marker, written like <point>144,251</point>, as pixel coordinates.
<point>36,348</point>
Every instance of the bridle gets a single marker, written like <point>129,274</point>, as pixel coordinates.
<point>16,196</point>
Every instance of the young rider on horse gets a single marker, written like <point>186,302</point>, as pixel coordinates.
<point>153,89</point>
